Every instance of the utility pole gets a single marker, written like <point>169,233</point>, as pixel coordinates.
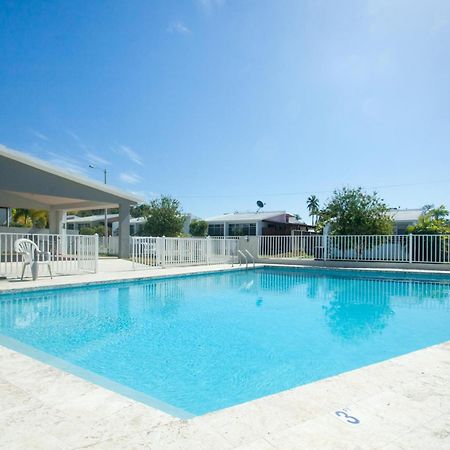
<point>105,172</point>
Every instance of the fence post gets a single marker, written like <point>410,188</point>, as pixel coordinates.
<point>162,251</point>
<point>410,238</point>
<point>208,250</point>
<point>326,229</point>
<point>95,253</point>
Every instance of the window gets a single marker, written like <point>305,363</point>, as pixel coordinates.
<point>242,229</point>
<point>215,229</point>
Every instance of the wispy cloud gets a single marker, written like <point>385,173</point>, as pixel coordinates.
<point>146,195</point>
<point>131,154</point>
<point>130,177</point>
<point>209,6</point>
<point>90,156</point>
<point>96,159</point>
<point>178,27</point>
<point>65,162</point>
<point>73,135</point>
<point>78,140</point>
<point>39,135</point>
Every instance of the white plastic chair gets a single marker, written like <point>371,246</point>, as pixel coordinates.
<point>31,255</point>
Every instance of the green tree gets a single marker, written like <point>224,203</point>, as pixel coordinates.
<point>313,206</point>
<point>165,218</point>
<point>198,228</point>
<point>426,208</point>
<point>98,229</point>
<point>351,211</point>
<point>432,221</point>
<point>30,218</point>
<point>141,210</point>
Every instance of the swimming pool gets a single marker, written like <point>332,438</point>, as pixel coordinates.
<point>195,344</point>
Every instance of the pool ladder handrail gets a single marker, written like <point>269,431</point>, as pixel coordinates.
<point>246,261</point>
<point>251,256</point>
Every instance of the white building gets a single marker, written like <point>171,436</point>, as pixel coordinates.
<point>403,218</point>
<point>255,224</point>
<point>76,223</point>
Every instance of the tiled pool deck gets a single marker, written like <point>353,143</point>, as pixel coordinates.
<point>402,403</point>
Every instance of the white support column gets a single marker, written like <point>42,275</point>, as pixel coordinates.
<point>225,229</point>
<point>258,228</point>
<point>56,218</point>
<point>124,230</point>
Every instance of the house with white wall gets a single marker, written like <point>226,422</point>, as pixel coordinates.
<point>403,218</point>
<point>76,223</point>
<point>255,224</point>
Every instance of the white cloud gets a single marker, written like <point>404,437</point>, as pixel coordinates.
<point>178,27</point>
<point>130,178</point>
<point>73,135</point>
<point>147,196</point>
<point>66,163</point>
<point>131,154</point>
<point>209,6</point>
<point>39,135</point>
<point>96,159</point>
<point>77,139</point>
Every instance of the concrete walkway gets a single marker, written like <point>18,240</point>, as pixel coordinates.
<point>109,269</point>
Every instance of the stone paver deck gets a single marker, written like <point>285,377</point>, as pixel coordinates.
<point>402,403</point>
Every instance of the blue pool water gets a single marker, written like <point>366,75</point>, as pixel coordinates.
<point>205,342</point>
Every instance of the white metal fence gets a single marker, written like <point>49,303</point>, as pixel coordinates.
<point>110,245</point>
<point>303,247</point>
<point>388,248</point>
<point>161,251</point>
<point>369,248</point>
<point>69,254</point>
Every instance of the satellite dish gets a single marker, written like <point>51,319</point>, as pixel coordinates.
<point>260,204</point>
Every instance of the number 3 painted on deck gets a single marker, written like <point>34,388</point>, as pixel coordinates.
<point>350,419</point>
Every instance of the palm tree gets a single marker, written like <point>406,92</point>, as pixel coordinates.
<point>30,217</point>
<point>22,217</point>
<point>313,206</point>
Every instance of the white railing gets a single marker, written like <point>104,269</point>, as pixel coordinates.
<point>299,247</point>
<point>145,251</point>
<point>383,248</point>
<point>110,245</point>
<point>161,251</point>
<point>69,254</point>
<point>430,248</point>
<point>392,248</point>
<point>369,248</point>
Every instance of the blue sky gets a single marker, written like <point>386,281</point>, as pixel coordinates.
<point>223,102</point>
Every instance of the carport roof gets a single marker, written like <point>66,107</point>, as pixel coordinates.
<point>27,182</point>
